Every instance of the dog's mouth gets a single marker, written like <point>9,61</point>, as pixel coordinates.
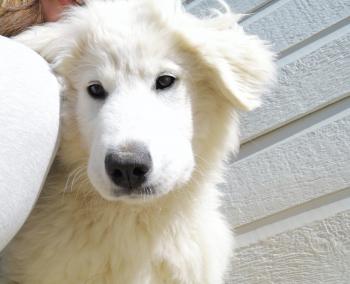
<point>136,194</point>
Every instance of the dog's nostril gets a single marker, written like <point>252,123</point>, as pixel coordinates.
<point>140,171</point>
<point>117,173</point>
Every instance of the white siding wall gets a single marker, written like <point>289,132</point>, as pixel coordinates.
<point>288,192</point>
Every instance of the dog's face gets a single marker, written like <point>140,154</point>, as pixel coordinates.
<point>150,89</point>
<point>134,113</point>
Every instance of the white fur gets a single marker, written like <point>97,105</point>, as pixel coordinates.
<point>80,231</point>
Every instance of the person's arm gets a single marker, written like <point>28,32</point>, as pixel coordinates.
<point>29,123</point>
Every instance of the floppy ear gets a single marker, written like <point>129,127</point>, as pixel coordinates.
<point>237,65</point>
<point>47,40</point>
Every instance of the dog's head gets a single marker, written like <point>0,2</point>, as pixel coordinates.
<point>151,91</point>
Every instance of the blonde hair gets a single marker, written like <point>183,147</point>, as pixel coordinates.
<point>14,19</point>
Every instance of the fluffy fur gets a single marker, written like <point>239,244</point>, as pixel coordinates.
<point>81,231</point>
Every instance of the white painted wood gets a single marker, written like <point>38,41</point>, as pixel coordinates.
<point>304,85</point>
<point>289,22</point>
<point>315,253</point>
<point>247,6</point>
<point>312,163</point>
<point>293,218</point>
<point>200,8</point>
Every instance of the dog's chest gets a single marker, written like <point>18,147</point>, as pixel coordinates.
<point>65,245</point>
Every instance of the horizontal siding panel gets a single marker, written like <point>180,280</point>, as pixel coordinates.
<point>316,253</point>
<point>305,166</point>
<point>310,82</point>
<point>200,7</point>
<point>296,20</point>
<point>246,6</point>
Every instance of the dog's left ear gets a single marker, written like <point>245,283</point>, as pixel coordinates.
<point>237,65</point>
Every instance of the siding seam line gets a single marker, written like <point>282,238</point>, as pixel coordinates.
<point>294,217</point>
<point>315,37</point>
<point>300,124</point>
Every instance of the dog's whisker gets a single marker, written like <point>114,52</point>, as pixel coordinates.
<point>70,178</point>
<point>76,178</point>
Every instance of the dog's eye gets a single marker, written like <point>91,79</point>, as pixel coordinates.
<point>164,82</point>
<point>97,91</point>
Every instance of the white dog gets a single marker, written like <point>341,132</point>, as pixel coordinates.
<point>148,115</point>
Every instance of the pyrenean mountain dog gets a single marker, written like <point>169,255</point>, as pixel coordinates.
<point>149,111</point>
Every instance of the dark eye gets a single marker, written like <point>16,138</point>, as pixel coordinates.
<point>164,82</point>
<point>97,91</point>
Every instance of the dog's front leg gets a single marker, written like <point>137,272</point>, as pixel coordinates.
<point>217,249</point>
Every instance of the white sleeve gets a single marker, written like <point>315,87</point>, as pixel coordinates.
<point>29,123</point>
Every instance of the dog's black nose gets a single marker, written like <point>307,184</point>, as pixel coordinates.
<point>128,166</point>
